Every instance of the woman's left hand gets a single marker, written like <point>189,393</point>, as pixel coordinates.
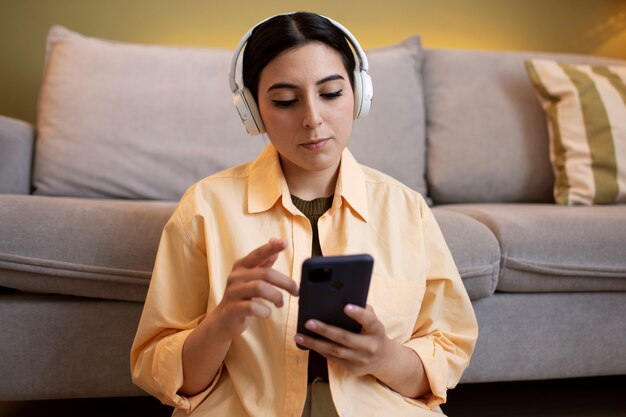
<point>360,353</point>
<point>370,352</point>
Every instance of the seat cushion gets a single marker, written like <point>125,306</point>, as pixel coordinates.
<point>84,247</point>
<point>106,248</point>
<point>475,251</point>
<point>551,248</point>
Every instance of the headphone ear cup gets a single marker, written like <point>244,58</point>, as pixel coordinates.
<point>254,111</point>
<point>363,93</point>
<point>248,112</point>
<point>358,93</point>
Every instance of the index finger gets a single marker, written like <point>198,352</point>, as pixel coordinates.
<point>264,255</point>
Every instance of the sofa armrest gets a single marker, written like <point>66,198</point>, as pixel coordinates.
<point>16,155</point>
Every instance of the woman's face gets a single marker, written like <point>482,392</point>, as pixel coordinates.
<point>306,103</point>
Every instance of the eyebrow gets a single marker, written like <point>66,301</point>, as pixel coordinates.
<point>293,86</point>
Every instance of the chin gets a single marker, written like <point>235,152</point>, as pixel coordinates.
<point>321,162</point>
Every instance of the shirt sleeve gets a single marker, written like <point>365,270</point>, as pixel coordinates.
<point>176,303</point>
<point>446,329</point>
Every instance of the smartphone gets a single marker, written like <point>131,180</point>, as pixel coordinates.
<point>328,283</point>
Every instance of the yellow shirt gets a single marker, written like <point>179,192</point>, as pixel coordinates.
<point>415,290</point>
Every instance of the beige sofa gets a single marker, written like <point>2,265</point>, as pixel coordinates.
<point>123,129</point>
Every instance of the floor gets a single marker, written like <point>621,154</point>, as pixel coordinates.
<point>582,397</point>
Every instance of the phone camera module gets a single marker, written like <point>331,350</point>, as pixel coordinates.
<point>321,275</point>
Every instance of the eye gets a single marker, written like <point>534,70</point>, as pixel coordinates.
<point>283,103</point>
<point>331,96</point>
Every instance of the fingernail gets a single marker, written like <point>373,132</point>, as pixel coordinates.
<point>350,307</point>
<point>311,325</point>
<point>299,339</point>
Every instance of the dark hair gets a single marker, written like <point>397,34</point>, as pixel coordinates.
<point>284,32</point>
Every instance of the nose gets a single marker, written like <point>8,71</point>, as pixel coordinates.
<point>312,116</point>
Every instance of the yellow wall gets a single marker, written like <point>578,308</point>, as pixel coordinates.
<point>579,26</point>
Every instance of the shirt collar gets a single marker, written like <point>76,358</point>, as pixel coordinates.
<point>266,181</point>
<point>267,184</point>
<point>351,185</point>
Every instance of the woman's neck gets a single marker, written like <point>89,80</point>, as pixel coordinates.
<point>309,185</point>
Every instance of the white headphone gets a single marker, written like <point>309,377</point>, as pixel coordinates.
<point>248,109</point>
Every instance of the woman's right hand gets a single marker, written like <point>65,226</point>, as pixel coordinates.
<point>251,280</point>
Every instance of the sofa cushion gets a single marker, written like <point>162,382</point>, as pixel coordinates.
<point>487,133</point>
<point>133,121</point>
<point>106,248</point>
<point>586,109</point>
<point>392,138</point>
<point>551,248</point>
<point>145,122</point>
<point>475,251</point>
<point>85,247</point>
<point>16,155</point>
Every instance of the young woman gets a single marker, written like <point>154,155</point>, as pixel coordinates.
<point>217,336</point>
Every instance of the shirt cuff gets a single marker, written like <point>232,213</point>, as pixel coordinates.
<point>168,372</point>
<point>436,368</point>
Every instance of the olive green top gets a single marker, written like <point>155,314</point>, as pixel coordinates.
<point>313,210</point>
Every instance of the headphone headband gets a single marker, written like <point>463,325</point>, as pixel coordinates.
<point>246,106</point>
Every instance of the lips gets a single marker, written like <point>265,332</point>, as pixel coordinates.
<point>314,144</point>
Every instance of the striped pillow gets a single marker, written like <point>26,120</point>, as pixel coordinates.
<point>586,109</point>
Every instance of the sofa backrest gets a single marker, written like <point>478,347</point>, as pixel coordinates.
<point>120,120</point>
<point>487,135</point>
